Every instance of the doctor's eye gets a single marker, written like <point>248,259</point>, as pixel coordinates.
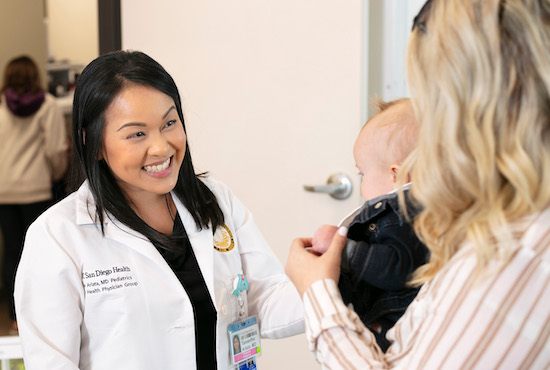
<point>170,123</point>
<point>136,135</point>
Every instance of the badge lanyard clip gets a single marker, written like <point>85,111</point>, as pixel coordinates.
<point>240,285</point>
<point>244,335</point>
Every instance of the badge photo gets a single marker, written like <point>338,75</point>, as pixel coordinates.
<point>244,341</point>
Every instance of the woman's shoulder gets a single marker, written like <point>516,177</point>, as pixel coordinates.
<point>537,229</point>
<point>49,105</point>
<point>73,209</point>
<point>225,197</point>
<point>216,186</point>
<point>49,98</point>
<point>61,211</point>
<point>211,182</point>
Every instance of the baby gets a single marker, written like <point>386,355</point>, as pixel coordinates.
<point>382,249</point>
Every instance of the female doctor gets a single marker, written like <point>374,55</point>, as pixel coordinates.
<point>138,269</point>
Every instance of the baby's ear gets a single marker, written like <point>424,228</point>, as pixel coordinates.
<point>394,169</point>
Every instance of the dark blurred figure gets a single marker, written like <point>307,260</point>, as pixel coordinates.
<point>33,156</point>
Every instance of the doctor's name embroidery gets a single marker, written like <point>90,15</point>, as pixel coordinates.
<point>109,279</point>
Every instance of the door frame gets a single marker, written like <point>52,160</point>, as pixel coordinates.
<point>109,25</point>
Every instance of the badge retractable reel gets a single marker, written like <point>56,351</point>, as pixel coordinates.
<point>244,335</point>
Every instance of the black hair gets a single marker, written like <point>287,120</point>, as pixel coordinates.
<point>100,82</point>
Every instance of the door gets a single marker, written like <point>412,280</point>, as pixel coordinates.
<point>274,94</point>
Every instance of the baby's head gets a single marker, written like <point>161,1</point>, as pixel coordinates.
<point>383,144</point>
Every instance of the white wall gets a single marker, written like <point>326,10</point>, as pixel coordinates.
<point>274,93</point>
<point>23,32</point>
<point>246,69</point>
<point>73,30</point>
<point>390,25</point>
<point>240,65</point>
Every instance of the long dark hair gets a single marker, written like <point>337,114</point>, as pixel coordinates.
<point>100,82</point>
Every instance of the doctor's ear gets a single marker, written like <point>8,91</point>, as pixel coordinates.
<point>100,155</point>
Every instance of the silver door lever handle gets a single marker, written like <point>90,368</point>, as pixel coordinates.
<point>339,186</point>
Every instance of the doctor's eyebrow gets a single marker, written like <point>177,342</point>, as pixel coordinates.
<point>168,111</point>
<point>139,124</point>
<point>131,124</point>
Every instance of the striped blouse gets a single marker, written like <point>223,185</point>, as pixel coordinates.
<point>455,322</point>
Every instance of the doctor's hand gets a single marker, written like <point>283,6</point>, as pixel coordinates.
<point>305,267</point>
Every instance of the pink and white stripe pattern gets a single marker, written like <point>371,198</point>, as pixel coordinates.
<point>456,321</point>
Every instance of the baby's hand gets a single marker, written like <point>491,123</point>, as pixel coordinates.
<point>322,238</point>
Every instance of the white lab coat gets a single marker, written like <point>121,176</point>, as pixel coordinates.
<point>92,302</point>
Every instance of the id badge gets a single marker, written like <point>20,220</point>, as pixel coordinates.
<point>249,364</point>
<point>244,342</point>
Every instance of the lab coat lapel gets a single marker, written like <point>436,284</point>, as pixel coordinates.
<point>130,238</point>
<point>202,242</point>
<point>115,230</point>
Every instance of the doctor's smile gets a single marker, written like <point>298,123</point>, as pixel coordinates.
<point>159,170</point>
<point>137,274</point>
<point>144,142</point>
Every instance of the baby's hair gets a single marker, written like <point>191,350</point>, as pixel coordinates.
<point>381,105</point>
<point>402,132</point>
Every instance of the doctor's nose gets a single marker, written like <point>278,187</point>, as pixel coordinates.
<point>159,146</point>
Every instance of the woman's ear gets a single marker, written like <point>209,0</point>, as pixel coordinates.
<point>100,154</point>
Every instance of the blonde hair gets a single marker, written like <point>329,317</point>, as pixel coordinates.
<point>480,78</point>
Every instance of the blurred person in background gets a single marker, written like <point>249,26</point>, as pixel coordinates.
<point>33,153</point>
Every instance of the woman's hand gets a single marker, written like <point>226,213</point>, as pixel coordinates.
<point>305,267</point>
